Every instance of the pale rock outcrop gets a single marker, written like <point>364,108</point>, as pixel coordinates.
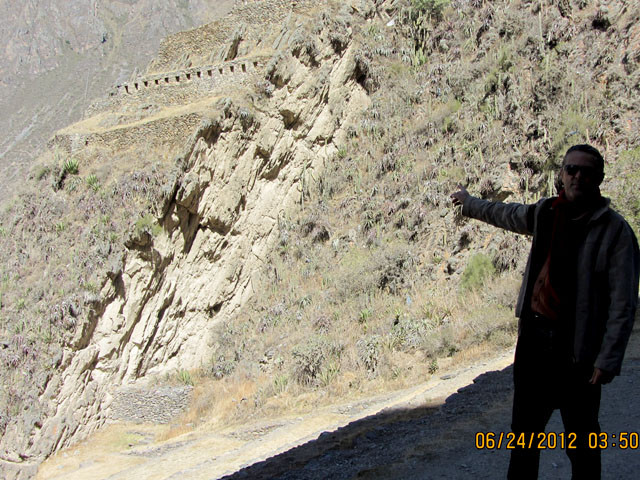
<point>242,168</point>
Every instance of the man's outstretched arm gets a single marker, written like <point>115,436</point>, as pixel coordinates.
<point>516,217</point>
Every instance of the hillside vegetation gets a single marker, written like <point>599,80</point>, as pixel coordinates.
<point>375,280</point>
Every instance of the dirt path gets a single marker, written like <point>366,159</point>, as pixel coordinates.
<point>409,434</point>
<point>426,443</point>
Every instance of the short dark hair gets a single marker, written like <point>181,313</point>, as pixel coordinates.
<point>588,149</point>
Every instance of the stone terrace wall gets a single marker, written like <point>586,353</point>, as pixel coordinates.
<point>154,405</point>
<point>205,44</point>
<point>181,87</point>
<point>209,76</point>
<point>163,133</point>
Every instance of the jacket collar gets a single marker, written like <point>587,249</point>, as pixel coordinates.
<point>600,211</point>
<point>597,213</point>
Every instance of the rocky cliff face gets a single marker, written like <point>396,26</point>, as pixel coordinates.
<point>247,153</point>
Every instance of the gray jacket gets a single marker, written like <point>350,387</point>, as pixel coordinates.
<point>606,284</point>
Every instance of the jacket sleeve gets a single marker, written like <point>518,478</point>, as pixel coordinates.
<point>516,217</point>
<point>623,272</point>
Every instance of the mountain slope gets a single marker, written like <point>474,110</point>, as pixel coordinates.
<point>299,249</point>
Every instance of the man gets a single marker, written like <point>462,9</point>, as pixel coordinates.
<point>576,307</point>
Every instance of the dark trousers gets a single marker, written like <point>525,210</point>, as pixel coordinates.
<point>545,379</point>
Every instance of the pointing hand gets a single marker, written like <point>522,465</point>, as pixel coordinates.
<point>460,196</point>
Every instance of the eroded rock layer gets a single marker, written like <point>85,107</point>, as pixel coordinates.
<point>246,153</point>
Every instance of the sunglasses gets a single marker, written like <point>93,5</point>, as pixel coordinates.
<point>574,169</point>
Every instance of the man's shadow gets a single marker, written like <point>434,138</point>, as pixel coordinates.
<point>403,442</point>
<point>439,442</point>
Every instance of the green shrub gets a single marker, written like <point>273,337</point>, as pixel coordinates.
<point>70,167</point>
<point>309,359</point>
<point>433,366</point>
<point>149,225</point>
<point>280,383</point>
<point>418,18</point>
<point>364,315</point>
<point>93,182</point>
<point>73,184</point>
<point>222,367</point>
<point>419,58</point>
<point>431,9</point>
<point>185,377</point>
<point>329,373</point>
<point>369,350</point>
<point>478,270</point>
<point>407,333</point>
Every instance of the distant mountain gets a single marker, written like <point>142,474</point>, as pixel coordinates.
<point>58,55</point>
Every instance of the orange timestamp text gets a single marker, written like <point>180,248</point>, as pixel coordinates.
<point>538,440</point>
<point>621,440</point>
<point>552,440</point>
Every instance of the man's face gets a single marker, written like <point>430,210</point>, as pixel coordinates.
<point>581,176</point>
